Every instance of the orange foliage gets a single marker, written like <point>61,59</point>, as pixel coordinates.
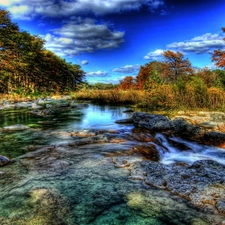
<point>219,56</point>
<point>175,66</point>
<point>145,73</point>
<point>127,83</point>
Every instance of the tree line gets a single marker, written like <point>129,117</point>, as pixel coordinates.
<point>177,71</point>
<point>26,66</point>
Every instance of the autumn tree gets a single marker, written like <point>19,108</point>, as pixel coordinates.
<point>26,65</point>
<point>127,83</point>
<point>210,78</point>
<point>218,56</point>
<point>148,73</point>
<point>175,66</point>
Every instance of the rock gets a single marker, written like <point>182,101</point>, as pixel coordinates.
<point>220,205</point>
<point>43,113</point>
<point>149,152</point>
<point>128,120</point>
<point>153,122</point>
<point>142,135</point>
<point>4,160</point>
<point>182,128</point>
<point>79,105</point>
<point>202,183</point>
<point>214,138</point>
<point>16,127</point>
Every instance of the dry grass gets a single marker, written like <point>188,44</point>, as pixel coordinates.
<point>162,97</point>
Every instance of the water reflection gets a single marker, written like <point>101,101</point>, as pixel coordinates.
<point>15,143</point>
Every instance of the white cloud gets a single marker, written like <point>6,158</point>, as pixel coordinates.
<point>82,35</point>
<point>154,55</point>
<point>84,62</point>
<point>98,73</point>
<point>54,8</point>
<point>127,69</point>
<point>200,44</point>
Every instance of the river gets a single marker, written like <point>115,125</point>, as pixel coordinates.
<point>81,185</point>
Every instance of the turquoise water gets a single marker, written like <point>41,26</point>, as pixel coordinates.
<point>80,185</point>
<point>16,143</point>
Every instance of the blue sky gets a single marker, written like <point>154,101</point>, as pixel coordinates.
<point>111,39</point>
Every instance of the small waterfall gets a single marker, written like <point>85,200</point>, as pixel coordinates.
<point>180,150</point>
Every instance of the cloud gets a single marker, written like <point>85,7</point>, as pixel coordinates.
<point>205,43</point>
<point>154,55</point>
<point>127,69</point>
<point>97,74</point>
<point>84,62</point>
<point>200,44</point>
<point>52,8</point>
<point>82,35</point>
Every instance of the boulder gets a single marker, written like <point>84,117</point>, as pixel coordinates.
<point>214,138</point>
<point>181,128</point>
<point>153,122</point>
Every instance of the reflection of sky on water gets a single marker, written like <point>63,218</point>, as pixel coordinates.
<point>15,143</point>
<point>99,117</point>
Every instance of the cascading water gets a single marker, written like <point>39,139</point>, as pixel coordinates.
<point>179,150</point>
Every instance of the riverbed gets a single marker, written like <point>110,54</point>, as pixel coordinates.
<point>55,178</point>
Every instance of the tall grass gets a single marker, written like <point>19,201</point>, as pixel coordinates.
<point>163,97</point>
<point>160,98</point>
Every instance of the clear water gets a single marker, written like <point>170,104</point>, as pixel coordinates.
<point>16,143</point>
<point>89,189</point>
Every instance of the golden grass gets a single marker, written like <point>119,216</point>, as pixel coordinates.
<point>161,97</point>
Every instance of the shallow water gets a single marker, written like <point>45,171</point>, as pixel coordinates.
<point>16,143</point>
<point>82,185</point>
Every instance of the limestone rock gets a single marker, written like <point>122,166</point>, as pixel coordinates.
<point>149,152</point>
<point>153,122</point>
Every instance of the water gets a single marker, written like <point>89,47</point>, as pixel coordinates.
<point>16,143</point>
<point>80,185</point>
<point>190,152</point>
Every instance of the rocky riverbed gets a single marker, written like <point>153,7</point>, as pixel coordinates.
<point>102,176</point>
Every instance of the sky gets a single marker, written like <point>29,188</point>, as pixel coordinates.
<point>111,39</point>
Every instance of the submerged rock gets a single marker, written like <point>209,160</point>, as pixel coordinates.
<point>16,127</point>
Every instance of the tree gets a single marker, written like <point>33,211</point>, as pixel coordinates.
<point>218,56</point>
<point>127,83</point>
<point>26,66</point>
<point>148,73</point>
<point>175,66</point>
